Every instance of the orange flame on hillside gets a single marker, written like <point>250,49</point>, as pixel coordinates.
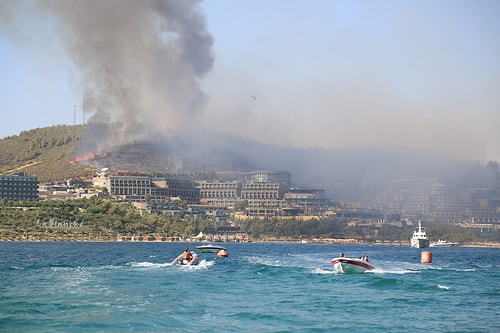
<point>88,157</point>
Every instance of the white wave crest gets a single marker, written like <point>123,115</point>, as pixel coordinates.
<point>322,271</point>
<point>265,261</point>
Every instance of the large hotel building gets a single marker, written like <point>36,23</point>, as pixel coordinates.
<point>18,187</point>
<point>263,192</point>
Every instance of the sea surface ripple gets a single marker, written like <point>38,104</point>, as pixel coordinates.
<point>260,287</point>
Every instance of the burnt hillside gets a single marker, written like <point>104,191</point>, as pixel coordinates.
<point>354,174</point>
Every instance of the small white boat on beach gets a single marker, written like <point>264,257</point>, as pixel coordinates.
<point>352,265</point>
<point>210,248</point>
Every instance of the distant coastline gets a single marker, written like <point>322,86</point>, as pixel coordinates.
<point>261,240</point>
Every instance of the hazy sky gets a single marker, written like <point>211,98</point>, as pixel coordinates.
<point>319,73</point>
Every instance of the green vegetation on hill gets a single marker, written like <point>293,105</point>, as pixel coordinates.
<point>43,152</point>
<point>84,219</point>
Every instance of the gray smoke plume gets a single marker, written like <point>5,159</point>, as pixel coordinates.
<point>140,62</point>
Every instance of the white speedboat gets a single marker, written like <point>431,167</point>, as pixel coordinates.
<point>443,243</point>
<point>182,261</point>
<point>352,265</point>
<point>419,238</point>
<point>210,248</point>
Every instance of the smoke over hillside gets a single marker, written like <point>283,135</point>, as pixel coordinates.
<point>138,68</point>
<point>140,63</point>
<point>345,174</point>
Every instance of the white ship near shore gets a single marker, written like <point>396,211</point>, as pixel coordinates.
<point>419,238</point>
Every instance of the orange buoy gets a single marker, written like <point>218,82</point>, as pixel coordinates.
<point>426,257</point>
<point>222,254</point>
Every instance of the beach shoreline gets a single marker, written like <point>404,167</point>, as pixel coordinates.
<point>248,240</point>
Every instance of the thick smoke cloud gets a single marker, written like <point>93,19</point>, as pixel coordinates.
<point>140,63</point>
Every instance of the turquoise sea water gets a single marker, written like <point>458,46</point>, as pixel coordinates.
<point>260,287</point>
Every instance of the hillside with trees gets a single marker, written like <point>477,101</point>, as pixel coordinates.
<point>43,152</point>
<point>345,174</point>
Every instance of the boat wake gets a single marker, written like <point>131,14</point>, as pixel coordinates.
<point>322,271</point>
<point>266,261</point>
<point>393,271</point>
<point>402,267</point>
<point>203,264</point>
<point>149,264</point>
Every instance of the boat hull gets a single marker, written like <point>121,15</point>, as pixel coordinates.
<point>351,265</point>
<point>419,238</point>
<point>210,248</point>
<point>420,243</point>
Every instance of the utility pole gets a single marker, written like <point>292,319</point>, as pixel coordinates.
<point>83,110</point>
<point>74,115</point>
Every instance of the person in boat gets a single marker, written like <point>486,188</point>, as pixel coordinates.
<point>341,255</point>
<point>187,255</point>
